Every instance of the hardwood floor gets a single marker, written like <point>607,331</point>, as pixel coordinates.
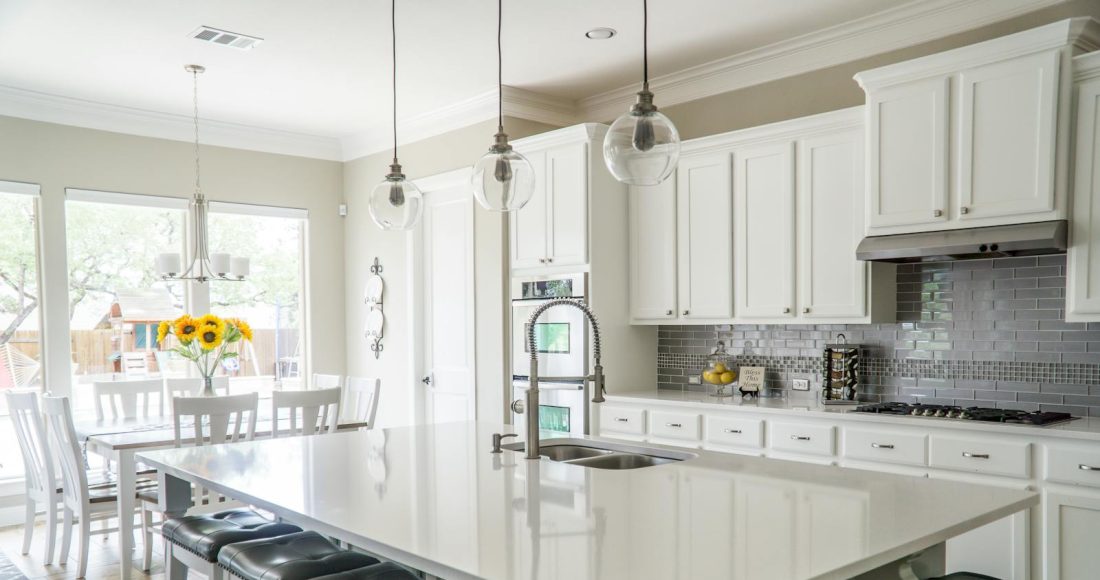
<point>102,556</point>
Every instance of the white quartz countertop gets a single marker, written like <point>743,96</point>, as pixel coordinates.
<point>1087,428</point>
<point>435,498</point>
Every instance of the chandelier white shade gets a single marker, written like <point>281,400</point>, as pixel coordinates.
<point>203,266</point>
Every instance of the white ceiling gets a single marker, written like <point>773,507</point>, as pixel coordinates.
<point>323,68</point>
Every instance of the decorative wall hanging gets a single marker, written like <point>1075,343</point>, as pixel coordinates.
<point>376,320</point>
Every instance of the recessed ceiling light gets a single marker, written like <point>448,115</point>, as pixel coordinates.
<point>600,33</point>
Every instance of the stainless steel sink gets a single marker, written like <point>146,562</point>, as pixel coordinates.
<point>603,454</point>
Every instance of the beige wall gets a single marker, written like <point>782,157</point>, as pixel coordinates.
<point>833,88</point>
<point>59,157</point>
<point>363,241</point>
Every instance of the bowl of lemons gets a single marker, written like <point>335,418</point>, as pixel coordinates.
<point>719,371</point>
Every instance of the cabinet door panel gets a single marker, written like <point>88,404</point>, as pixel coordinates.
<point>1083,270</point>
<point>705,234</point>
<point>653,251</point>
<point>529,224</point>
<point>567,200</point>
<point>764,233</point>
<point>907,154</point>
<point>1072,526</point>
<point>832,282</point>
<point>1007,118</point>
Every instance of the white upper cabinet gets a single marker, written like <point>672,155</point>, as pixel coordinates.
<point>763,199</point>
<point>831,283</point>
<point>1083,258</point>
<point>652,227</point>
<point>976,136</point>
<point>704,237</point>
<point>552,229</point>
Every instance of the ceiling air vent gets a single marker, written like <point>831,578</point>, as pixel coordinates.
<point>225,38</point>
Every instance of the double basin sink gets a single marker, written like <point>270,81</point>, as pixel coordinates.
<point>601,454</point>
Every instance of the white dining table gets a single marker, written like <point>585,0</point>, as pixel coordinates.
<point>120,439</point>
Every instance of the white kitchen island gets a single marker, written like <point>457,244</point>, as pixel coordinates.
<point>434,498</point>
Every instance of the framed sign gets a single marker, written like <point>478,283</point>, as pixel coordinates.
<point>751,379</point>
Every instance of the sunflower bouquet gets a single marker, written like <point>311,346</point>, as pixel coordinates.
<point>205,341</point>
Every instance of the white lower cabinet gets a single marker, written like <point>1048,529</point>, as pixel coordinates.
<point>981,455</point>
<point>809,439</point>
<point>724,431</point>
<point>1071,524</point>
<point>621,420</point>
<point>885,446</point>
<point>682,427</point>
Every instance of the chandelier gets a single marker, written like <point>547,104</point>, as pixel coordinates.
<point>204,266</point>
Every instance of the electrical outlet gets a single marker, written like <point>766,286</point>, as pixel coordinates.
<point>801,384</point>
<point>694,380</point>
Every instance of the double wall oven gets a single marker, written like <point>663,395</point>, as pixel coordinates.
<point>561,339</point>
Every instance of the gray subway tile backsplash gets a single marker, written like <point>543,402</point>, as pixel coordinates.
<point>979,332</point>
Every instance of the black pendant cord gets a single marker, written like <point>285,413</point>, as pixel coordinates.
<point>500,68</point>
<point>393,29</point>
<point>645,45</point>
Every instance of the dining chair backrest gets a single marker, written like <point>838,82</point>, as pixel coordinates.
<point>135,363</point>
<point>192,387</point>
<point>310,412</point>
<point>321,381</point>
<point>21,370</point>
<point>122,398</point>
<point>63,439</point>
<point>219,419</point>
<point>38,463</point>
<point>361,401</point>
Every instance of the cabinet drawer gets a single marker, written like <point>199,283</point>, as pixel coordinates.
<point>674,425</point>
<point>735,432</point>
<point>980,456</point>
<point>905,448</point>
<point>1074,465</point>
<point>622,420</point>
<point>801,438</point>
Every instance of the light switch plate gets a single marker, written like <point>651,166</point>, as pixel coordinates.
<point>694,380</point>
<point>801,384</point>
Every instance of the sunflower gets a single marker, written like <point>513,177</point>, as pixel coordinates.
<point>162,331</point>
<point>211,321</point>
<point>186,328</point>
<point>210,337</point>
<point>243,328</point>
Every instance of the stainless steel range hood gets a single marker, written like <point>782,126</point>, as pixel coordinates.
<point>967,244</point>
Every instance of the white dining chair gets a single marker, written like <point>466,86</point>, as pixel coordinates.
<point>81,501</point>
<point>322,381</point>
<point>213,420</point>
<point>361,399</point>
<point>310,412</point>
<point>123,398</point>
<point>135,364</point>
<point>40,479</point>
<point>22,370</point>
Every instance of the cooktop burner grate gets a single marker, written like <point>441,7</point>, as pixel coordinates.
<point>986,414</point>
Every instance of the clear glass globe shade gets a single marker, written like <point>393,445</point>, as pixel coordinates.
<point>503,181</point>
<point>396,204</point>
<point>641,149</point>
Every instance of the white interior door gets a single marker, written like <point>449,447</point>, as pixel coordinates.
<point>447,272</point>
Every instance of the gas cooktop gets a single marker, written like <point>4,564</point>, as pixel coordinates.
<point>967,413</point>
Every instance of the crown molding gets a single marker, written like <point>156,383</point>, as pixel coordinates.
<point>907,25</point>
<point>1086,67</point>
<point>516,102</point>
<point>821,123</point>
<point>38,106</point>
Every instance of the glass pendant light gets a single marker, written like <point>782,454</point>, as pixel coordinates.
<point>395,203</point>
<point>642,146</point>
<point>503,180</point>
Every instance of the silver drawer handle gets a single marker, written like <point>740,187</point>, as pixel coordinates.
<point>676,425</point>
<point>976,455</point>
<point>882,445</point>
<point>1084,467</point>
<point>621,419</point>
<point>800,437</point>
<point>734,431</point>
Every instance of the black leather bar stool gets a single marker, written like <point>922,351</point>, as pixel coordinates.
<point>300,556</point>
<point>195,541</point>
<point>383,571</point>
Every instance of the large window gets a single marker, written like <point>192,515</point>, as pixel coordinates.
<point>20,320</point>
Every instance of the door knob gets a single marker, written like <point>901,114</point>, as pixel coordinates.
<point>542,260</point>
<point>806,310</point>
<point>937,213</point>
<point>685,313</point>
<point>669,313</point>
<point>786,311</point>
<point>964,210</point>
<point>549,260</point>
<point>427,380</point>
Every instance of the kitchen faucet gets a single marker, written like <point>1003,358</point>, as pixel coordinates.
<point>531,400</point>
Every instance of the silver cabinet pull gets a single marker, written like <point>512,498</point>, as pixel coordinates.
<point>542,260</point>
<point>937,213</point>
<point>975,455</point>
<point>622,419</point>
<point>806,310</point>
<point>964,210</point>
<point>676,425</point>
<point>549,260</point>
<point>685,313</point>
<point>734,431</point>
<point>800,437</point>
<point>1084,467</point>
<point>669,313</point>
<point>786,311</point>
<point>882,445</point>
